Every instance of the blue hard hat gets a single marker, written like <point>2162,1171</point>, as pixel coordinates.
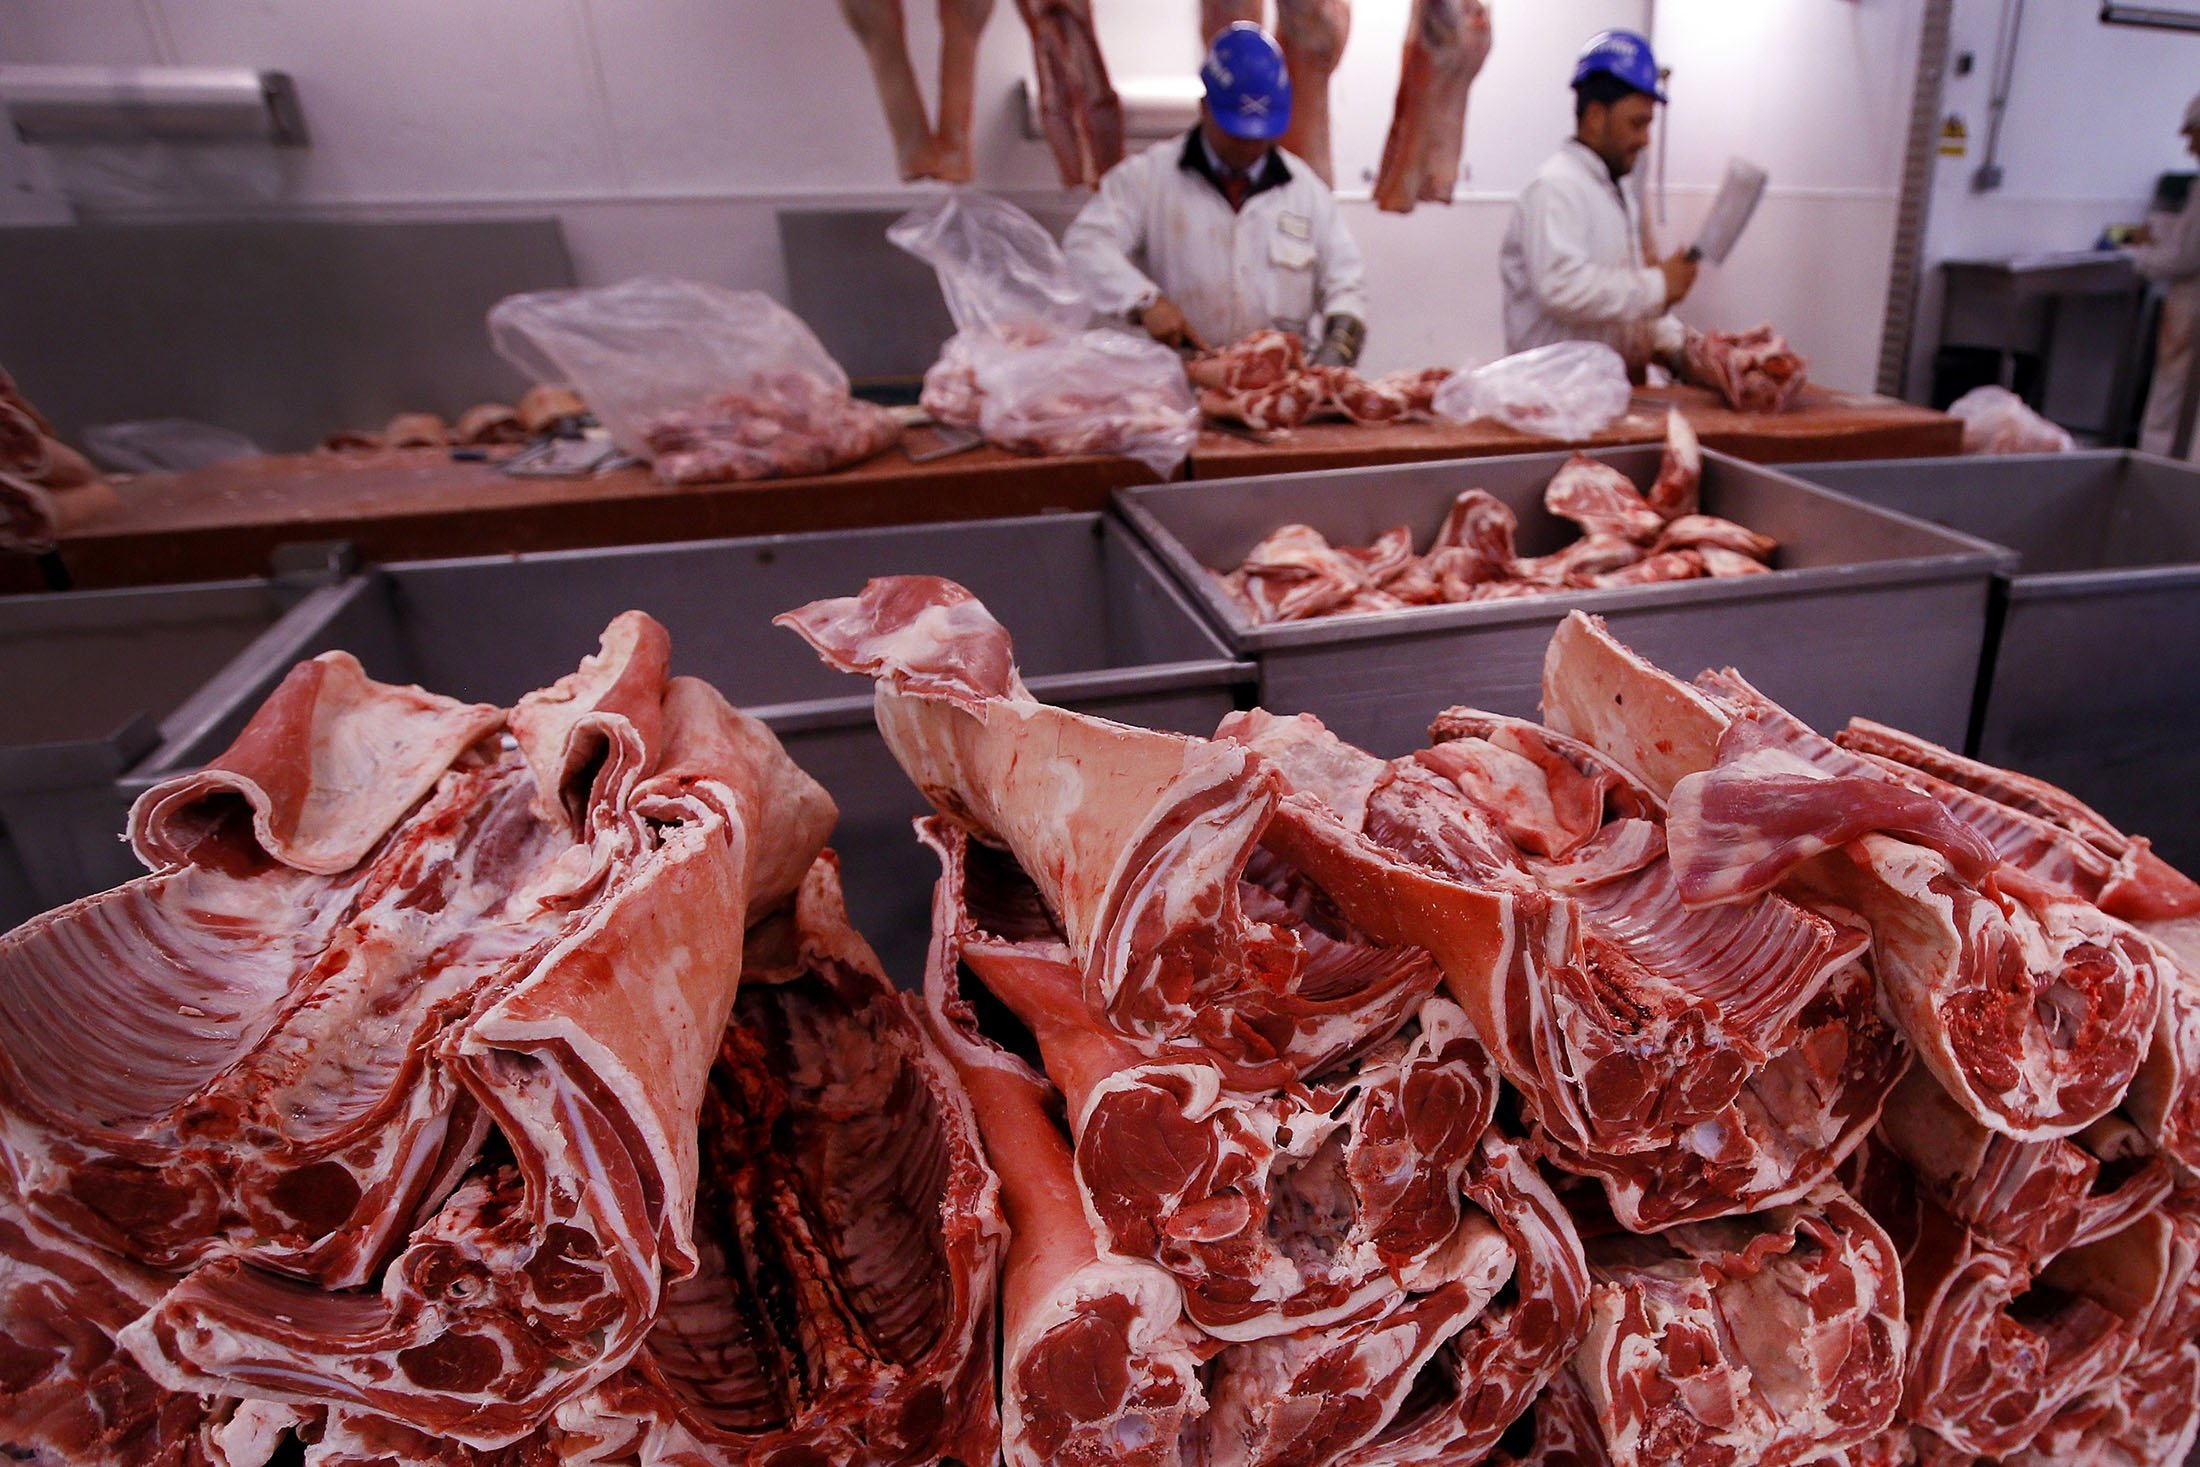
<point>1248,89</point>
<point>1622,55</point>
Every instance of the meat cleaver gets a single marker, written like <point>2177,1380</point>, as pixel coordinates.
<point>1730,211</point>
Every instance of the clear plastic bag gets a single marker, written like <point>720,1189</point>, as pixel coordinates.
<point>1570,390</point>
<point>998,267</point>
<point>1097,391</point>
<point>1996,420</point>
<point>1006,281</point>
<point>707,383</point>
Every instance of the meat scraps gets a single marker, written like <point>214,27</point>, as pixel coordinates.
<point>1295,574</point>
<point>781,424</point>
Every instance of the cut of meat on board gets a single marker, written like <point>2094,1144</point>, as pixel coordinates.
<point>2031,1006</point>
<point>421,1127</point>
<point>1756,371</point>
<point>1446,43</point>
<point>920,151</point>
<point>1312,34</point>
<point>1265,382</point>
<point>1078,108</point>
<point>1212,911</point>
<point>1769,1339</point>
<point>847,1225</point>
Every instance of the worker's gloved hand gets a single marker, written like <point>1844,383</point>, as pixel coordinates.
<point>1342,339</point>
<point>1680,277</point>
<point>1166,324</point>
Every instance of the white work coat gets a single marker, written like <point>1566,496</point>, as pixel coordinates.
<point>2172,261</point>
<point>1158,227</point>
<point>1572,264</point>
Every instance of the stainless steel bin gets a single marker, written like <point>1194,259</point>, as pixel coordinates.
<point>1866,612</point>
<point>1098,627</point>
<point>2093,677</point>
<point>97,681</point>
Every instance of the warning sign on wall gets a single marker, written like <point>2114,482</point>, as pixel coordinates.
<point>1955,138</point>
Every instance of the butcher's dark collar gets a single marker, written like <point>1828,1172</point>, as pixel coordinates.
<point>1272,173</point>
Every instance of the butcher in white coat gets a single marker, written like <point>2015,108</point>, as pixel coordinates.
<point>1210,237</point>
<point>1572,263</point>
<point>2167,252</point>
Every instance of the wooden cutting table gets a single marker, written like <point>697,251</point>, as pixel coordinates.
<point>1823,425</point>
<point>418,504</point>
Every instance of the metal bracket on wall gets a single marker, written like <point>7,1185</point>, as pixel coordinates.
<point>2158,17</point>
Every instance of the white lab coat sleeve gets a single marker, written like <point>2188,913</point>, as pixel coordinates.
<point>1572,287</point>
<point>1107,233</point>
<point>2175,253</point>
<point>1343,283</point>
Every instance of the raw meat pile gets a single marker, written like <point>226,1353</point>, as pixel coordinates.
<point>46,487</point>
<point>780,424</point>
<point>1664,1084</point>
<point>397,1116</point>
<point>1265,382</point>
<point>1756,371</point>
<point>1627,540</point>
<point>1259,1206</point>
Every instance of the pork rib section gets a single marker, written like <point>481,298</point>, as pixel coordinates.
<point>1078,108</point>
<point>2031,1006</point>
<point>847,1226</point>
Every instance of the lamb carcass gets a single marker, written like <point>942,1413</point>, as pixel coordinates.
<point>919,150</point>
<point>1312,34</point>
<point>1078,108</point>
<point>1446,43</point>
<point>1696,1064</point>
